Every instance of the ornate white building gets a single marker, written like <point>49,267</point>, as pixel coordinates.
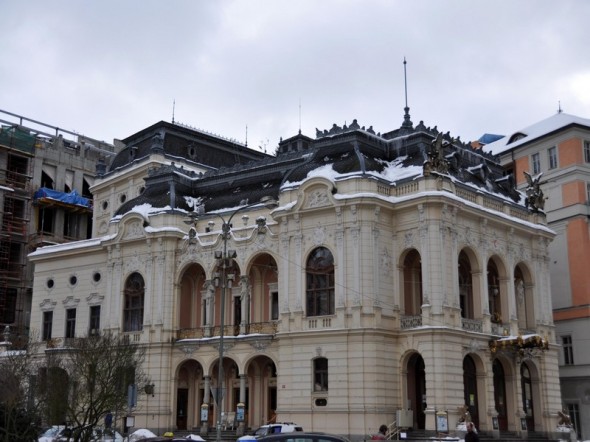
<point>400,271</point>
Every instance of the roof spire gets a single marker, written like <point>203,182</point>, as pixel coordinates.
<point>407,124</point>
<point>173,106</point>
<point>299,115</point>
<point>559,109</point>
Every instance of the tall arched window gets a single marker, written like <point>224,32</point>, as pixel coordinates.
<point>320,282</point>
<point>412,283</point>
<point>465,286</point>
<point>494,297</point>
<point>133,309</point>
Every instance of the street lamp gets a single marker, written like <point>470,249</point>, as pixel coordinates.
<point>225,257</point>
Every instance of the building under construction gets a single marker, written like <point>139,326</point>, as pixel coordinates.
<point>45,176</point>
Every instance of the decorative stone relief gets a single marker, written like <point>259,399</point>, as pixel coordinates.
<point>94,299</point>
<point>103,227</point>
<point>260,345</point>
<point>408,240</point>
<point>318,351</point>
<point>71,302</point>
<point>319,235</point>
<point>133,229</point>
<point>318,198</point>
<point>133,263</point>
<point>385,260</point>
<point>47,305</point>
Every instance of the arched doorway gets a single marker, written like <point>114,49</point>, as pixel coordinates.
<point>261,391</point>
<point>500,400</point>
<point>190,391</point>
<point>416,384</point>
<point>470,388</point>
<point>527,396</point>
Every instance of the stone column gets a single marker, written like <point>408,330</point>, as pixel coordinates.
<point>244,303</point>
<point>206,396</point>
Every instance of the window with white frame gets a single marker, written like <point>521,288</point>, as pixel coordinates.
<point>536,163</point>
<point>568,350</point>
<point>587,151</point>
<point>552,154</point>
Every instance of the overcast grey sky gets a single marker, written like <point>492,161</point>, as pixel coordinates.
<point>109,68</point>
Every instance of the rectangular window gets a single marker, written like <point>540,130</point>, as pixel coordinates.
<point>70,323</point>
<point>536,163</point>
<point>574,412</point>
<point>568,350</point>
<point>552,153</point>
<point>588,193</point>
<point>587,151</point>
<point>8,306</point>
<point>94,323</point>
<point>274,305</point>
<point>320,369</point>
<point>47,325</point>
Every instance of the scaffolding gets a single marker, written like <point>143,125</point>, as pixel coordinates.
<point>17,146</point>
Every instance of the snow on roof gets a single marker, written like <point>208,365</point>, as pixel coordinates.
<point>534,131</point>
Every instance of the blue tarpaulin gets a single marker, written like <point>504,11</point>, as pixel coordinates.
<point>72,198</point>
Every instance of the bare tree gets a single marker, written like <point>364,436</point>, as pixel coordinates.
<point>19,409</point>
<point>94,375</point>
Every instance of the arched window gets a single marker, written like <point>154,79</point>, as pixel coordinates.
<point>133,310</point>
<point>412,283</point>
<point>320,282</point>
<point>320,374</point>
<point>465,286</point>
<point>494,293</point>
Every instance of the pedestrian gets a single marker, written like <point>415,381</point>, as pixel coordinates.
<point>471,435</point>
<point>108,420</point>
<point>382,433</point>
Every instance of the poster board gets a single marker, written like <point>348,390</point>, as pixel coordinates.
<point>442,422</point>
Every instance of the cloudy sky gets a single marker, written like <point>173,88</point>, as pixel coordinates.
<point>109,68</point>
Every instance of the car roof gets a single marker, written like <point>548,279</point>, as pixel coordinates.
<point>303,436</point>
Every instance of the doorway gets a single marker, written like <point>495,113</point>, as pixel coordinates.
<point>527,396</point>
<point>470,388</point>
<point>181,408</point>
<point>500,395</point>
<point>417,390</point>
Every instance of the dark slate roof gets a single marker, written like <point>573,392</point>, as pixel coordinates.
<point>350,150</point>
<point>180,142</point>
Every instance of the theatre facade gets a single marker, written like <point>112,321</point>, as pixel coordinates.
<point>343,279</point>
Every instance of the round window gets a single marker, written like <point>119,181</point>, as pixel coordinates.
<point>50,283</point>
<point>105,205</point>
<point>73,280</point>
<point>96,277</point>
<point>123,198</point>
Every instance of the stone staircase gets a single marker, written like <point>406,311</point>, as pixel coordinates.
<point>505,436</point>
<point>226,435</point>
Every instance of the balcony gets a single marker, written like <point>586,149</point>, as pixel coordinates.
<point>474,325</point>
<point>266,328</point>
<point>410,321</point>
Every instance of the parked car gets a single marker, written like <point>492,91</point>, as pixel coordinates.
<point>276,428</point>
<point>62,433</point>
<point>303,437</point>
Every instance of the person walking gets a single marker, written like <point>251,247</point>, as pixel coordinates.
<point>471,435</point>
<point>382,433</point>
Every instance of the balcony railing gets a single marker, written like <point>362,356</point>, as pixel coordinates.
<point>268,328</point>
<point>411,321</point>
<point>474,325</point>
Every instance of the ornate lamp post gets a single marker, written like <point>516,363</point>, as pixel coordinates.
<point>226,279</point>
